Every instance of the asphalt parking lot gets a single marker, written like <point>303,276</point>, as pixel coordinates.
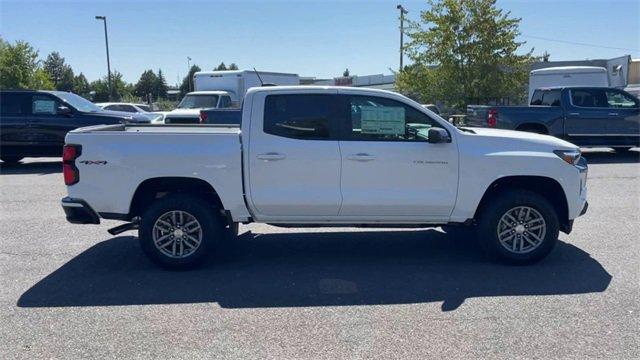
<point>71,291</point>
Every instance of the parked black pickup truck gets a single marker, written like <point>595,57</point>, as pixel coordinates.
<point>34,123</point>
<point>585,116</point>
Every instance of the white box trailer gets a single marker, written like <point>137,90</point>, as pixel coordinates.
<point>237,82</point>
<point>567,76</point>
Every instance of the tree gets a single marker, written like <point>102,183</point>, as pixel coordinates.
<point>187,82</point>
<point>121,89</point>
<point>222,66</point>
<point>160,86</point>
<point>60,73</point>
<point>233,66</point>
<point>81,86</point>
<point>464,52</point>
<point>20,68</point>
<point>345,73</point>
<point>546,56</point>
<point>146,84</point>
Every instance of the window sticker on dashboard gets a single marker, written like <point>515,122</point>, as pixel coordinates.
<point>382,120</point>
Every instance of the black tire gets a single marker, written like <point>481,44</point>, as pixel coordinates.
<point>494,210</point>
<point>213,230</point>
<point>534,129</point>
<point>11,160</point>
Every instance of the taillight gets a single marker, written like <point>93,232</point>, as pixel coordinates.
<point>69,155</point>
<point>492,117</point>
<point>203,117</point>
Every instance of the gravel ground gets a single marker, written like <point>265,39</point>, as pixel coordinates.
<point>71,291</point>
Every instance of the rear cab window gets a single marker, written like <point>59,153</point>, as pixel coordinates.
<point>546,97</point>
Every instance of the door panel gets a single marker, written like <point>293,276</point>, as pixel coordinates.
<point>294,164</point>
<point>14,109</point>
<point>398,178</point>
<point>388,167</point>
<point>587,118</point>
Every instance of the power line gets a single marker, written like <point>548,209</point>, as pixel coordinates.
<point>579,43</point>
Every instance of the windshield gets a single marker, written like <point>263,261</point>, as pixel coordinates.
<point>198,102</point>
<point>78,102</point>
<point>145,108</point>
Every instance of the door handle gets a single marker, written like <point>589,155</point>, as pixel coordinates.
<point>613,114</point>
<point>574,114</point>
<point>361,157</point>
<point>271,156</point>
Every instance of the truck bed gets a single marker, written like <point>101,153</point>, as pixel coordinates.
<point>116,159</point>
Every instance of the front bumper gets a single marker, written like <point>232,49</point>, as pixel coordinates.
<point>79,212</point>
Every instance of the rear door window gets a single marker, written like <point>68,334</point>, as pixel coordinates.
<point>536,99</point>
<point>15,104</point>
<point>551,98</point>
<point>300,116</point>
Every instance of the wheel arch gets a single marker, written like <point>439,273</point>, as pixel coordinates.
<point>547,187</point>
<point>155,188</point>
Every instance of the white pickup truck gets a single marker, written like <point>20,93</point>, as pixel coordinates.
<point>322,156</point>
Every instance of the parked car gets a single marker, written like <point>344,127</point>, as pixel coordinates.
<point>324,156</point>
<point>142,110</point>
<point>126,107</point>
<point>34,123</point>
<point>586,116</point>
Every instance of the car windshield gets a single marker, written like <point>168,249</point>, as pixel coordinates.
<point>145,108</point>
<point>198,102</point>
<point>78,102</point>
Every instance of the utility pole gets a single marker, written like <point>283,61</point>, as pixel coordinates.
<point>189,72</point>
<point>106,40</point>
<point>402,13</point>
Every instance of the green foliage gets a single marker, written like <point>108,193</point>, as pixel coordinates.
<point>222,66</point>
<point>146,84</point>
<point>81,86</point>
<point>160,86</point>
<point>60,73</point>
<point>187,84</point>
<point>464,52</point>
<point>233,66</point>
<point>121,89</point>
<point>20,68</point>
<point>167,105</point>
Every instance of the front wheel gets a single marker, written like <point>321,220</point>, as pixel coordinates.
<point>518,227</point>
<point>179,231</point>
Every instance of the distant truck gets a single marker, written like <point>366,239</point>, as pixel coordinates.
<point>221,90</point>
<point>585,116</point>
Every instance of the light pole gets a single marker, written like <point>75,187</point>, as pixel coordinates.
<point>189,72</point>
<point>106,40</point>
<point>402,12</point>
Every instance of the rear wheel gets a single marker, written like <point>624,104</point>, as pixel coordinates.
<point>533,129</point>
<point>11,160</point>
<point>518,227</point>
<point>179,231</point>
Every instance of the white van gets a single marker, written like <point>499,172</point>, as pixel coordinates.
<point>237,82</point>
<point>567,76</point>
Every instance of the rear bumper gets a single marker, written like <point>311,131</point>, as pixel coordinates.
<point>79,212</point>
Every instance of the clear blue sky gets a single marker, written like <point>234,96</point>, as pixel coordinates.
<point>311,38</point>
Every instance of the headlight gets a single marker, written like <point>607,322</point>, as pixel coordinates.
<point>571,157</point>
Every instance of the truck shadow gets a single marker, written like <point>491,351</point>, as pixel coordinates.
<point>31,168</point>
<point>316,269</point>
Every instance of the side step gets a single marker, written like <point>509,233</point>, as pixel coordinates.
<point>134,225</point>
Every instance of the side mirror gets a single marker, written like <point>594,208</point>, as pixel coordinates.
<point>63,110</point>
<point>438,135</point>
